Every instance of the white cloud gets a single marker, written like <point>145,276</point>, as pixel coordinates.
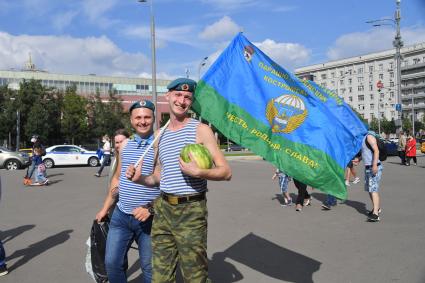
<point>178,34</point>
<point>63,20</point>
<point>96,10</point>
<point>64,54</point>
<point>287,55</point>
<point>222,29</point>
<point>374,40</point>
<point>231,4</point>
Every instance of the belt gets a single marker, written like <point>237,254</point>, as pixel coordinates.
<point>174,199</point>
<point>370,166</point>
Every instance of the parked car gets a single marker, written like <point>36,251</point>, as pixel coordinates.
<point>235,147</point>
<point>391,148</point>
<point>27,151</point>
<point>12,160</point>
<point>69,155</point>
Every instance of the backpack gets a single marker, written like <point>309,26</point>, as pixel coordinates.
<point>381,146</point>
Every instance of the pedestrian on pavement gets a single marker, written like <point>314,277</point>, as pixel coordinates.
<point>3,266</point>
<point>350,171</point>
<point>106,150</point>
<point>41,174</point>
<point>132,217</point>
<point>179,231</point>
<point>411,149</point>
<point>402,147</point>
<point>373,174</point>
<point>283,184</point>
<point>119,137</point>
<point>36,141</point>
<point>303,198</point>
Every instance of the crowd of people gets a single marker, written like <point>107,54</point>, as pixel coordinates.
<point>369,153</point>
<point>160,202</point>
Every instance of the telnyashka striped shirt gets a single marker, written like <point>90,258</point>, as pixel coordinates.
<point>173,180</point>
<point>132,195</point>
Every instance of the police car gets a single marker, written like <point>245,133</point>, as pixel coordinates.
<point>69,155</point>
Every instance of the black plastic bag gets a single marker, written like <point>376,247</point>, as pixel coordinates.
<point>99,232</point>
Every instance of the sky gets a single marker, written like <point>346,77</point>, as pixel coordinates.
<point>113,37</point>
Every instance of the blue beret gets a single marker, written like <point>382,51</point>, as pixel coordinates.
<point>142,104</point>
<point>183,84</point>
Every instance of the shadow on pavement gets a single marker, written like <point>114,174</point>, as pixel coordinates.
<point>54,175</point>
<point>9,235</point>
<point>54,182</point>
<point>256,253</point>
<point>38,248</point>
<point>263,256</point>
<point>360,207</point>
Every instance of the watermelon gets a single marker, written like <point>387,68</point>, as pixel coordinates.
<point>200,154</point>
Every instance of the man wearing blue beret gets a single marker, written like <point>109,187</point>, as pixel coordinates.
<point>179,231</point>
<point>133,214</point>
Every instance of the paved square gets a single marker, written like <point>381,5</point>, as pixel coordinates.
<point>251,237</point>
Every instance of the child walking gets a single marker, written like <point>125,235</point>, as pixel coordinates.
<point>283,184</point>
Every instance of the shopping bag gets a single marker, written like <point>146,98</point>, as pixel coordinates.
<point>99,232</point>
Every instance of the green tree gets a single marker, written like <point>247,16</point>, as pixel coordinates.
<point>7,113</point>
<point>388,126</point>
<point>407,124</point>
<point>105,117</point>
<point>373,125</point>
<point>74,116</point>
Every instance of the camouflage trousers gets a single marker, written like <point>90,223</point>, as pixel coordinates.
<point>179,235</point>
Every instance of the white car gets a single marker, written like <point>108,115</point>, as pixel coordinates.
<point>69,155</point>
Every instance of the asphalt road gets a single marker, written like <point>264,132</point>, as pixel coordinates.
<point>251,237</point>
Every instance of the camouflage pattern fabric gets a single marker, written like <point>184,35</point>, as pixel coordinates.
<point>179,234</point>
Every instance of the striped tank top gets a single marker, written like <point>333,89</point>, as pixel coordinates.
<point>132,195</point>
<point>173,181</point>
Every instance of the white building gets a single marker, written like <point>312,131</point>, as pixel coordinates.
<point>355,80</point>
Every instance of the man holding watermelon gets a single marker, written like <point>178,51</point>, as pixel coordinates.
<point>179,230</point>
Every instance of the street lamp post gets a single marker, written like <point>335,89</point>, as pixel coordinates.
<point>413,116</point>
<point>18,126</point>
<point>154,95</point>
<point>398,44</point>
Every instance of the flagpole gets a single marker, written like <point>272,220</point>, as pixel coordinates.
<point>152,143</point>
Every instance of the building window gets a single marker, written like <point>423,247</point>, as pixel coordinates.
<point>372,116</point>
<point>372,106</point>
<point>350,81</point>
<point>361,97</point>
<point>360,88</point>
<point>381,67</point>
<point>360,70</point>
<point>370,87</point>
<point>350,89</point>
<point>341,82</point>
<point>333,74</point>
<point>391,65</point>
<point>361,106</point>
<point>360,79</point>
<point>341,73</point>
<point>370,78</point>
<point>391,83</point>
<point>381,76</point>
<point>350,98</point>
<point>370,69</point>
<point>323,76</point>
<point>371,96</point>
<point>416,60</point>
<point>391,74</point>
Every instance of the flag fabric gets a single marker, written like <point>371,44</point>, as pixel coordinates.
<point>303,129</point>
